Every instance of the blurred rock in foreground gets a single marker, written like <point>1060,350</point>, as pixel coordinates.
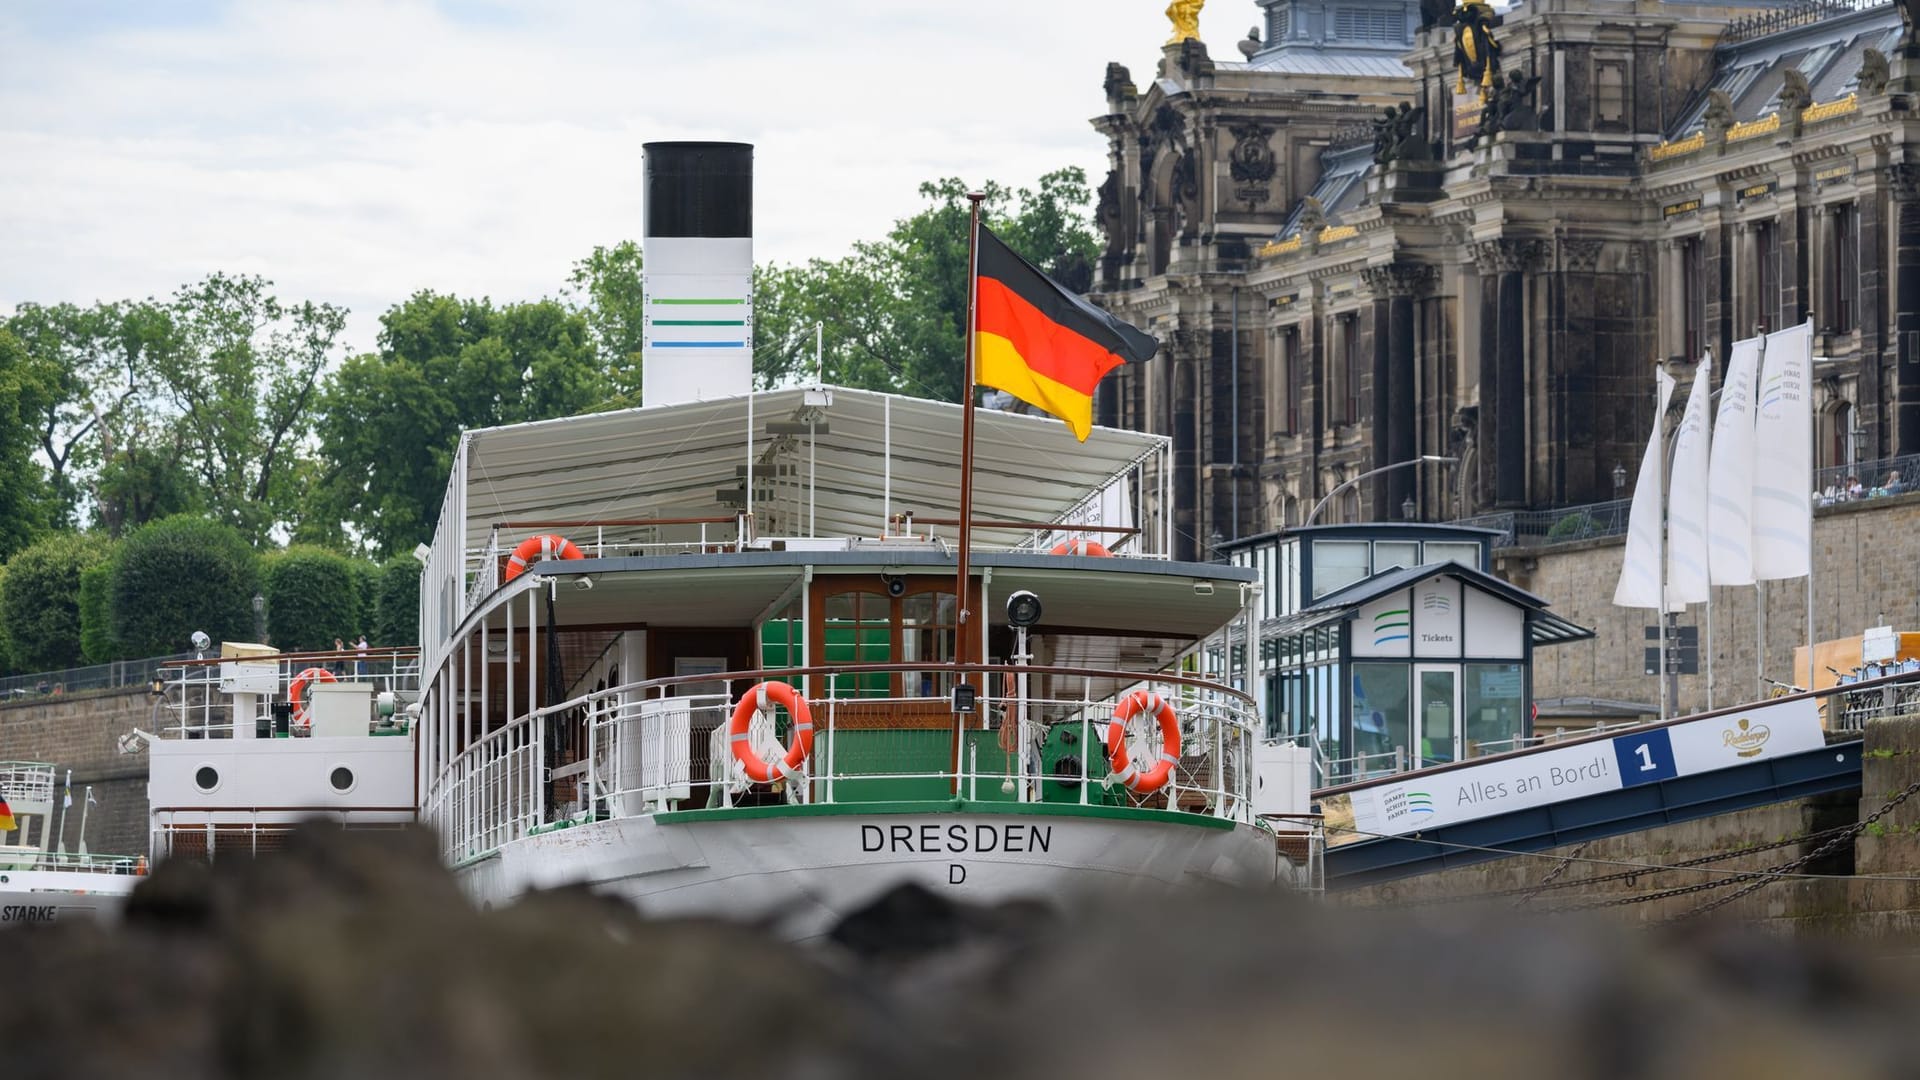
<point>354,955</point>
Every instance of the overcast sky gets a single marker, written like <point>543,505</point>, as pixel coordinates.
<point>357,151</point>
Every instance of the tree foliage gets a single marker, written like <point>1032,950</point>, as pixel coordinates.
<point>41,604</point>
<point>27,384</point>
<point>893,309</point>
<point>242,377</point>
<point>391,420</point>
<point>97,645</point>
<point>396,619</point>
<point>177,575</point>
<point>313,597</point>
<point>606,288</point>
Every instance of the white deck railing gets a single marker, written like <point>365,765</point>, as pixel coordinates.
<point>643,748</point>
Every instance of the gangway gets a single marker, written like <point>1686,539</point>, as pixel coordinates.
<point>1625,780</point>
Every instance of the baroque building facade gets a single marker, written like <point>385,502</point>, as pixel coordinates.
<point>1354,258</point>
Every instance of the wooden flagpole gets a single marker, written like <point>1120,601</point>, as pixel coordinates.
<point>962,652</point>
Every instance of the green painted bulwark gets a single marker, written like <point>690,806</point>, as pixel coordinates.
<point>945,806</point>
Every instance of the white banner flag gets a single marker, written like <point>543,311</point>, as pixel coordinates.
<point>1640,564</point>
<point>1687,498</point>
<point>1783,458</point>
<point>1730,473</point>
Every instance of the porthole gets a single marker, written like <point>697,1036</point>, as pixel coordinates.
<point>341,778</point>
<point>207,779</point>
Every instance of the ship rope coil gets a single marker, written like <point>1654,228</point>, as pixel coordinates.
<point>1128,772</point>
<point>297,691</point>
<point>544,546</point>
<point>1080,545</point>
<point>762,699</point>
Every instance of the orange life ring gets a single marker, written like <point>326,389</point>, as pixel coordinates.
<point>545,546</point>
<point>761,699</point>
<point>140,866</point>
<point>1080,545</point>
<point>1138,781</point>
<point>298,688</point>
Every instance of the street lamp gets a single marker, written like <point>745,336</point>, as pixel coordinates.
<point>1408,509</point>
<point>1324,499</point>
<point>1619,478</point>
<point>259,618</point>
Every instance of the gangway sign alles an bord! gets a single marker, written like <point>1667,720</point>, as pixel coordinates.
<point>1419,802</point>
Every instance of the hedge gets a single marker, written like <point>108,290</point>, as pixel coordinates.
<point>41,604</point>
<point>178,575</point>
<point>96,626</point>
<point>313,597</point>
<point>396,620</point>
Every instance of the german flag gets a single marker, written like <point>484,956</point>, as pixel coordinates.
<point>1039,342</point>
<point>7,824</point>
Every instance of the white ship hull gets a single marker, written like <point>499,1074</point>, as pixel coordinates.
<point>808,870</point>
<point>32,897</point>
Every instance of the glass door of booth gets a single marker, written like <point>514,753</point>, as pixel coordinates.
<point>1437,713</point>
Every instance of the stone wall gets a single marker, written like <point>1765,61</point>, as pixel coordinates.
<point>1866,573</point>
<point>81,732</point>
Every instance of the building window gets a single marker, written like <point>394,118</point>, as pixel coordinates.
<point>1610,100</point>
<point>1693,305</point>
<point>1290,380</point>
<point>1279,21</point>
<point>1766,257</point>
<point>1363,24</point>
<point>1843,270</point>
<point>1350,365</point>
<point>1382,734</point>
<point>1493,699</point>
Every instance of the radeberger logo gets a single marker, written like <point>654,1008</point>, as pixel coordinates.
<point>1746,737</point>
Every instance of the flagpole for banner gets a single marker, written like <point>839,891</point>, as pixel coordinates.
<point>1660,470</point>
<point>1709,648</point>
<point>1759,586</point>
<point>961,594</point>
<point>1806,378</point>
<point>83,819</point>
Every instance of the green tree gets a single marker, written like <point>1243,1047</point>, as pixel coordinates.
<point>390,420</point>
<point>242,377</point>
<point>27,501</point>
<point>606,288</point>
<point>96,624</point>
<point>396,618</point>
<point>893,309</point>
<point>41,605</point>
<point>313,597</point>
<point>94,363</point>
<point>177,575</point>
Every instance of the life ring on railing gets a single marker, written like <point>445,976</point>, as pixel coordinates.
<point>297,689</point>
<point>1137,780</point>
<point>1080,545</point>
<point>544,546</point>
<point>762,698</point>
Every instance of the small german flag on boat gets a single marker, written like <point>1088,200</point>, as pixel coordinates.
<point>1039,342</point>
<point>7,824</point>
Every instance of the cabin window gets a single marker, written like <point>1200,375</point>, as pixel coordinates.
<point>928,631</point>
<point>1381,732</point>
<point>1337,564</point>
<point>1388,553</point>
<point>1493,702</point>
<point>1465,553</point>
<point>858,630</point>
<point>863,625</point>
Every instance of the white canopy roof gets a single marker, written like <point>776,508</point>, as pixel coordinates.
<point>673,461</point>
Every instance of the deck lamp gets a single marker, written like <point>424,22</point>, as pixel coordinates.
<point>1023,609</point>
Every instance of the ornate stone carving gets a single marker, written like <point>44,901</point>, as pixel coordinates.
<point>1909,20</point>
<point>1398,279</point>
<point>1875,73</point>
<point>1795,97</point>
<point>1252,156</point>
<point>1106,213</point>
<point>1580,256</point>
<point>1185,16</point>
<point>1510,107</point>
<point>1397,135</point>
<point>1119,83</point>
<point>1312,220</point>
<point>1718,118</point>
<point>1903,182</point>
<point>1435,13</point>
<point>1505,256</point>
<point>1251,45</point>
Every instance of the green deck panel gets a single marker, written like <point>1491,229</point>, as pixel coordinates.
<point>948,805</point>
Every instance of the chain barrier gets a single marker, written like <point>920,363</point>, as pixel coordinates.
<point>1546,882</point>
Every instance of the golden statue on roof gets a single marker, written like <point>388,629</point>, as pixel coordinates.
<point>1185,16</point>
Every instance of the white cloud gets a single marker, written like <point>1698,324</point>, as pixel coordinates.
<point>357,151</point>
